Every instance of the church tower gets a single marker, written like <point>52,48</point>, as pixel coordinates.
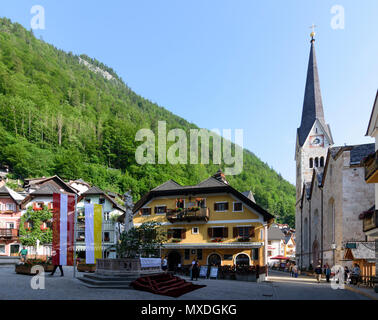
<point>314,135</point>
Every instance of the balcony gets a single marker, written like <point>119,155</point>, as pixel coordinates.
<point>370,222</point>
<point>8,234</point>
<point>188,215</point>
<point>371,168</point>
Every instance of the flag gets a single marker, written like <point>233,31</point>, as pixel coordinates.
<point>63,229</point>
<point>93,232</point>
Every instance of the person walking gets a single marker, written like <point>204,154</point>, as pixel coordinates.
<point>257,272</point>
<point>346,274</point>
<point>191,269</point>
<point>318,273</point>
<point>327,272</point>
<point>23,254</point>
<point>356,274</point>
<point>60,268</point>
<point>164,264</point>
<point>195,271</point>
<point>295,271</point>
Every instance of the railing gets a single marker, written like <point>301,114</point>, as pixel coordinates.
<point>370,221</point>
<point>8,233</point>
<point>7,211</point>
<point>188,214</point>
<point>371,165</point>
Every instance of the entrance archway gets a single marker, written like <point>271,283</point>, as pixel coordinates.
<point>242,260</point>
<point>174,258</point>
<point>214,259</point>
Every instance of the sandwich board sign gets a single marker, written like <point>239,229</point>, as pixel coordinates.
<point>203,272</point>
<point>214,272</point>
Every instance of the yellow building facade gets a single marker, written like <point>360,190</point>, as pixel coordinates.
<point>211,222</point>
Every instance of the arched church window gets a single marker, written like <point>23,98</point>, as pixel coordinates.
<point>311,163</point>
<point>322,162</point>
<point>316,162</point>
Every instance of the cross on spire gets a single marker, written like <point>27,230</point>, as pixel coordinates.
<point>313,31</point>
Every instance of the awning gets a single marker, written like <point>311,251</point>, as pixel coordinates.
<point>280,258</point>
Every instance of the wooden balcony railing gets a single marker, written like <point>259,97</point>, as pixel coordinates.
<point>188,214</point>
<point>371,168</point>
<point>9,234</point>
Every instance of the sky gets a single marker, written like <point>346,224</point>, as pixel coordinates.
<point>224,64</point>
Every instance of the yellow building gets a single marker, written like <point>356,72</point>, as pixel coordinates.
<point>210,221</point>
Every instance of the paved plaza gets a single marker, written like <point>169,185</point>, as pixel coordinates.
<point>279,286</point>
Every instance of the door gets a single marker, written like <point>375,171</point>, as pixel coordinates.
<point>174,258</point>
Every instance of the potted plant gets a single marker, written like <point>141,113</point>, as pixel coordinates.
<point>83,267</point>
<point>245,273</point>
<point>26,268</point>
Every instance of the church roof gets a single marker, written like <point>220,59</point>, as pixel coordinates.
<point>312,104</point>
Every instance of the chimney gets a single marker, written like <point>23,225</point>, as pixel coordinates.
<point>220,176</point>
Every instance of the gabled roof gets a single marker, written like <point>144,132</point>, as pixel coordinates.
<point>208,186</point>
<point>94,191</point>
<point>363,251</point>
<point>275,233</point>
<point>5,191</point>
<point>38,182</point>
<point>312,104</point>
<point>249,195</point>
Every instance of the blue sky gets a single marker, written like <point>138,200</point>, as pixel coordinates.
<point>229,64</point>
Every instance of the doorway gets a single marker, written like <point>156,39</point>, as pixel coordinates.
<point>174,258</point>
<point>214,260</point>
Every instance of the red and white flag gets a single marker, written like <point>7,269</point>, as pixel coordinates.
<point>63,229</point>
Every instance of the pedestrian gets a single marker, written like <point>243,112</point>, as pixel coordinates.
<point>195,270</point>
<point>179,268</point>
<point>191,268</point>
<point>327,272</point>
<point>23,254</point>
<point>355,277</point>
<point>164,264</point>
<point>318,273</point>
<point>295,270</point>
<point>60,268</point>
<point>346,274</point>
<point>257,272</point>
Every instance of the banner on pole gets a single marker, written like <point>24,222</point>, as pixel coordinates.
<point>63,229</point>
<point>93,232</point>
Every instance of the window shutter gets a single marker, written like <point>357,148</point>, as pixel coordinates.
<point>225,232</point>
<point>215,206</point>
<point>251,231</point>
<point>149,211</point>
<point>165,209</point>
<point>155,210</point>
<point>50,205</point>
<point>210,232</point>
<point>235,232</point>
<point>226,206</point>
<point>183,233</point>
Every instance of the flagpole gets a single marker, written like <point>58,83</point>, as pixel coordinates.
<point>75,219</point>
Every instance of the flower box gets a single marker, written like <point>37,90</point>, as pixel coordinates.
<point>175,240</point>
<point>26,268</point>
<point>217,240</point>
<point>81,267</point>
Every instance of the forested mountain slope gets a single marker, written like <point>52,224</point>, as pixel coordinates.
<point>61,116</point>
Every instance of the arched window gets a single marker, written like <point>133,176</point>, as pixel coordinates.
<point>311,163</point>
<point>322,161</point>
<point>316,162</point>
<point>242,260</point>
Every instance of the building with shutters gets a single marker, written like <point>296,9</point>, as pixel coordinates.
<point>210,221</point>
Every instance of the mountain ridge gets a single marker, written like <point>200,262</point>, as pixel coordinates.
<point>59,117</point>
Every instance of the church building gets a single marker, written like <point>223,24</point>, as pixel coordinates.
<point>330,187</point>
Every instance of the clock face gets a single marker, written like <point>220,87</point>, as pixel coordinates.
<point>317,141</point>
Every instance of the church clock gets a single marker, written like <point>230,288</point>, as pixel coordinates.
<point>317,141</point>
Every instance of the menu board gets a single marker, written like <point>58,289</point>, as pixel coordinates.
<point>214,272</point>
<point>203,272</point>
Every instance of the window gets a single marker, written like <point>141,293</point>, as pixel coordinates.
<point>88,200</point>
<point>227,257</point>
<point>261,234</point>
<point>146,211</point>
<point>255,254</point>
<point>221,206</point>
<point>14,248</point>
<point>102,201</point>
<point>201,202</point>
<point>269,253</point>
<point>80,236</point>
<point>244,232</point>
<point>106,236</point>
<point>195,230</point>
<point>10,207</point>
<point>177,233</point>
<point>238,207</point>
<point>106,216</point>
<point>187,254</point>
<point>270,243</point>
<point>316,162</point>
<point>218,232</point>
<point>311,163</point>
<point>10,225</point>
<point>199,254</point>
<point>180,203</point>
<point>160,209</point>
<point>242,260</point>
<point>2,248</point>
<point>322,161</point>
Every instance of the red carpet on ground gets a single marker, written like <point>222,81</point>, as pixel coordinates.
<point>165,284</point>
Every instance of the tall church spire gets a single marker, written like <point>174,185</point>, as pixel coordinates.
<point>312,105</point>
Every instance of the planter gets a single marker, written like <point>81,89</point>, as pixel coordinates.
<point>246,277</point>
<point>26,268</point>
<point>86,268</point>
<point>229,276</point>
